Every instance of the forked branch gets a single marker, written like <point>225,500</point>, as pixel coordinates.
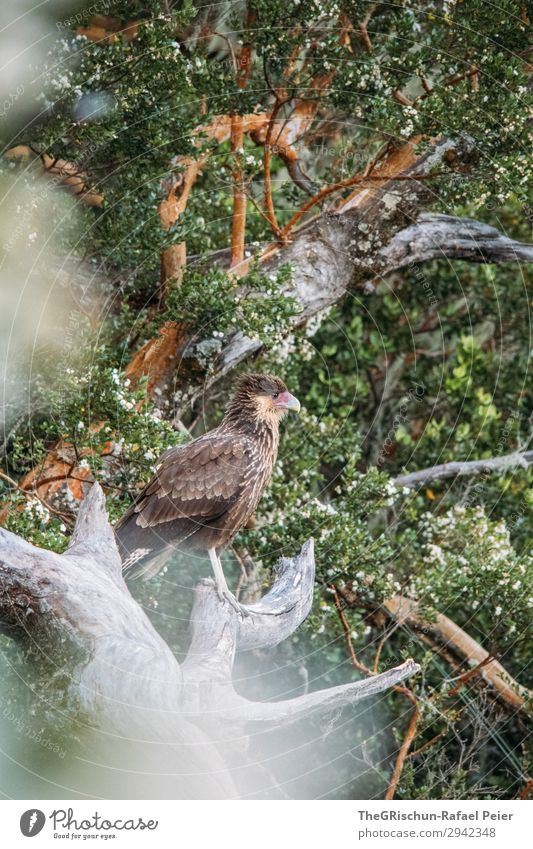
<point>123,675</point>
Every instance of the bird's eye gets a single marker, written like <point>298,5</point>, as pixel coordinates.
<point>275,395</point>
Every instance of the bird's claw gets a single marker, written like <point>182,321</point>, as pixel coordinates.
<point>228,598</point>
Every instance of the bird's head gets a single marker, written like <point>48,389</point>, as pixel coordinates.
<point>263,398</point>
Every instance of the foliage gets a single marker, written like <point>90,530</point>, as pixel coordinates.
<point>431,365</point>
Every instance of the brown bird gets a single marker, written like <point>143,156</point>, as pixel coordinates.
<point>204,492</point>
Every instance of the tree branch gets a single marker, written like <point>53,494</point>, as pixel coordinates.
<point>442,632</point>
<point>466,468</point>
<point>407,741</point>
<point>331,253</point>
<point>238,225</point>
<point>332,699</point>
<point>448,237</point>
<point>62,173</point>
<point>124,677</point>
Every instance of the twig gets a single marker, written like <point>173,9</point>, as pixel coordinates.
<point>34,494</point>
<point>239,195</point>
<point>401,98</point>
<point>363,31</point>
<point>230,48</point>
<point>406,744</point>
<point>470,673</point>
<point>388,633</point>
<point>344,184</point>
<point>245,56</point>
<point>527,790</point>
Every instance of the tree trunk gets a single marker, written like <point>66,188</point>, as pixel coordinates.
<point>125,680</point>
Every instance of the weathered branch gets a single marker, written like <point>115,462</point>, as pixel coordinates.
<point>333,698</point>
<point>449,237</point>
<point>466,468</point>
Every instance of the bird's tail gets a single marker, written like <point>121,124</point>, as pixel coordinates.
<point>144,553</point>
<point>144,564</point>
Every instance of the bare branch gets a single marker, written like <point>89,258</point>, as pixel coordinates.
<point>406,743</point>
<point>330,253</point>
<point>466,468</point>
<point>331,699</point>
<point>447,237</point>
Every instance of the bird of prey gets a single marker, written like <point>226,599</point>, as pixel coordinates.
<point>204,492</point>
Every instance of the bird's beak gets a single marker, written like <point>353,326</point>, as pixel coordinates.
<point>287,402</point>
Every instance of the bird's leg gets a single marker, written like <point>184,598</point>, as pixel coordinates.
<point>223,590</point>
<point>220,578</point>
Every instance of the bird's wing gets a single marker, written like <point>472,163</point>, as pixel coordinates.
<point>198,481</point>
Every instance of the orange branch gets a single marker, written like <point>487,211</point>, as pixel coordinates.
<point>363,31</point>
<point>427,745</point>
<point>404,691</point>
<point>401,98</point>
<point>344,184</point>
<point>245,57</point>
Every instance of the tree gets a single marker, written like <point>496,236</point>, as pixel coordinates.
<point>305,196</point>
